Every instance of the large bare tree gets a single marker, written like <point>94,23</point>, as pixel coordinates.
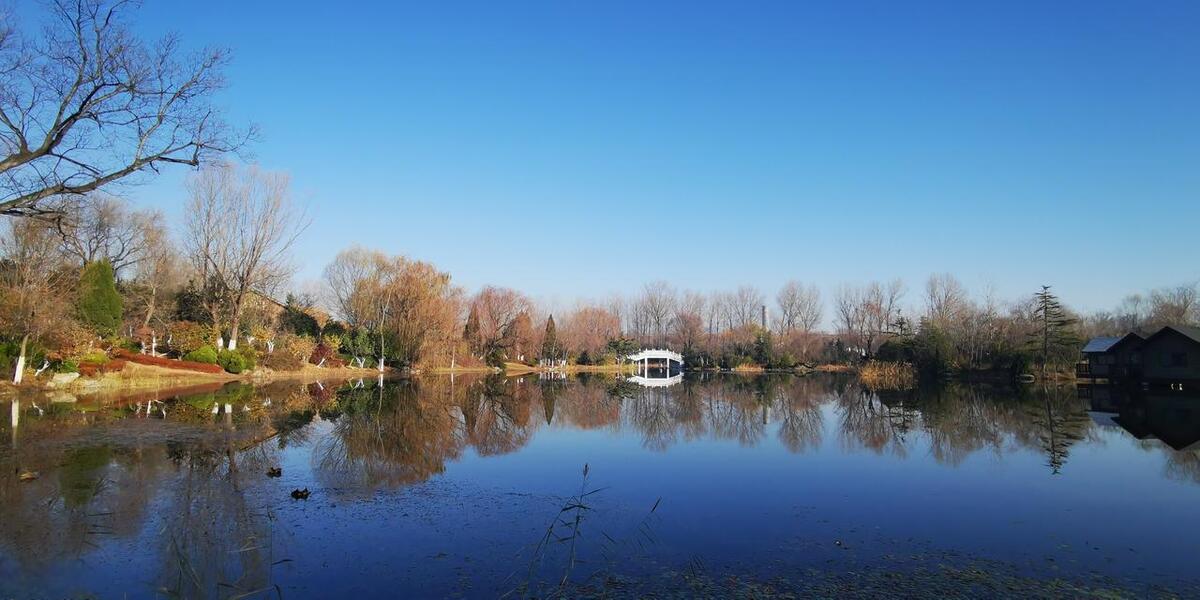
<point>946,300</point>
<point>799,307</point>
<point>742,307</point>
<point>157,273</point>
<point>241,225</point>
<point>657,306</point>
<point>85,103</point>
<point>33,284</point>
<point>589,327</point>
<point>866,314</point>
<point>499,309</point>
<point>97,226</point>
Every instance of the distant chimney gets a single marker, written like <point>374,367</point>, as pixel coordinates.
<point>764,317</point>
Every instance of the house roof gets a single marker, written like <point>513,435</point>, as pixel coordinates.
<point>1189,331</point>
<point>1106,343</point>
<point>1101,344</point>
<point>1192,333</point>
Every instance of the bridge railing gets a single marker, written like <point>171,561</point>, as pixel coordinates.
<point>656,353</point>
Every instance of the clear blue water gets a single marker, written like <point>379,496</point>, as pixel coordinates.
<point>434,487</point>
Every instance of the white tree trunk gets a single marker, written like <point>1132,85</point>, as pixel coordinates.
<point>381,365</point>
<point>270,346</point>
<point>19,374</point>
<point>232,342</point>
<point>220,343</point>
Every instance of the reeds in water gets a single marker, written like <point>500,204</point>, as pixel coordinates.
<point>881,375</point>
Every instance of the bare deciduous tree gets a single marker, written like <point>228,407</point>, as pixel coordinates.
<point>657,305</point>
<point>97,226</point>
<point>588,328</point>
<point>499,309</point>
<point>241,225</point>
<point>351,279</point>
<point>409,302</point>
<point>945,299</point>
<point>1132,313</point>
<point>688,329</point>
<point>799,307</point>
<point>744,306</point>
<point>157,272</point>
<point>1173,306</point>
<point>31,284</point>
<point>865,314</point>
<point>85,103</point>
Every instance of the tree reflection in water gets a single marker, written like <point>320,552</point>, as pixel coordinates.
<point>188,473</point>
<point>386,436</point>
<point>406,432</point>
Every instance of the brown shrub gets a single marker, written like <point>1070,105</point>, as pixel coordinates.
<point>325,356</point>
<point>291,352</point>
<point>881,375</point>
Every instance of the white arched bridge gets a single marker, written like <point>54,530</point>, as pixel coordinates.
<point>660,361</point>
<point>666,357</point>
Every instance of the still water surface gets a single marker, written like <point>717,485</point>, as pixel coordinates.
<point>438,487</point>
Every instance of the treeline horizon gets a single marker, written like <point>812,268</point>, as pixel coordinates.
<point>104,275</point>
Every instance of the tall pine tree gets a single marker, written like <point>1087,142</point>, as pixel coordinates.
<point>471,333</point>
<point>1054,336</point>
<point>550,341</point>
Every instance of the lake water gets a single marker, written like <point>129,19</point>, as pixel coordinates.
<point>720,485</point>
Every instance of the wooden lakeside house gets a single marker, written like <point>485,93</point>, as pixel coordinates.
<point>1111,358</point>
<point>1172,355</point>
<point>1169,356</point>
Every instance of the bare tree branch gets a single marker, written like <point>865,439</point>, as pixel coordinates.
<point>86,104</point>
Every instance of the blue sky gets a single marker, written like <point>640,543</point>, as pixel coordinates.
<point>574,149</point>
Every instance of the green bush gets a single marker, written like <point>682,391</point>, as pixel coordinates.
<point>8,353</point>
<point>11,349</point>
<point>95,356</point>
<point>295,319</point>
<point>187,336</point>
<point>335,328</point>
<point>67,366</point>
<point>249,356</point>
<point>232,361</point>
<point>203,354</point>
<point>100,304</point>
<point>495,358</point>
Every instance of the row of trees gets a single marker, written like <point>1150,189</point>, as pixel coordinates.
<point>105,271</point>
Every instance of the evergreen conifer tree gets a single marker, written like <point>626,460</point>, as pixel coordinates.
<point>550,341</point>
<point>471,333</point>
<point>100,304</point>
<point>1054,335</point>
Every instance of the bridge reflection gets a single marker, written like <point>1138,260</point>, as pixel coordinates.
<point>648,381</point>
